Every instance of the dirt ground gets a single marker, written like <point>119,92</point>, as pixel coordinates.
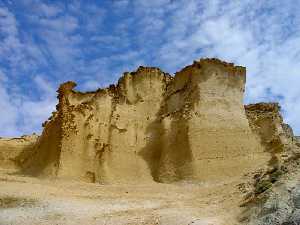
<point>32,201</point>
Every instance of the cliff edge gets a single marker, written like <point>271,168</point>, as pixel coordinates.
<point>190,131</point>
<point>154,127</point>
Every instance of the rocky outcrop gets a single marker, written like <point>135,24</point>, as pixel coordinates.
<point>273,198</point>
<point>207,135</point>
<point>278,202</point>
<point>14,152</point>
<point>153,127</point>
<point>276,137</point>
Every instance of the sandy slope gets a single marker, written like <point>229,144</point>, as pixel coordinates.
<point>30,201</point>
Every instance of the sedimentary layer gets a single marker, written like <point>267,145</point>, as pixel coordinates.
<point>14,152</point>
<point>154,127</point>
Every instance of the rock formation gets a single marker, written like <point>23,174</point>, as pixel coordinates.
<point>154,127</point>
<point>275,197</point>
<point>151,127</point>
<point>13,151</point>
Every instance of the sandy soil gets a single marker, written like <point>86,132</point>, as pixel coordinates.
<point>31,201</point>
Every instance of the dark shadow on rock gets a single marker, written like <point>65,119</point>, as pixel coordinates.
<point>167,152</point>
<point>151,153</point>
<point>45,153</point>
<point>177,159</point>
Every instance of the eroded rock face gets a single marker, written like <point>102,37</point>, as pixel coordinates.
<point>14,152</point>
<point>275,196</point>
<point>206,132</point>
<point>266,121</point>
<point>155,127</point>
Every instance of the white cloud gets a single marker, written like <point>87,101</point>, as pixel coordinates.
<point>8,113</point>
<point>48,10</point>
<point>120,4</point>
<point>91,85</point>
<point>10,45</point>
<point>45,87</point>
<point>33,113</point>
<point>258,35</point>
<point>19,114</point>
<point>92,45</point>
<point>3,77</point>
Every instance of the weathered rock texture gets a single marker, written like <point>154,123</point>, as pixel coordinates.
<point>14,151</point>
<point>275,197</point>
<point>155,127</point>
<point>275,136</point>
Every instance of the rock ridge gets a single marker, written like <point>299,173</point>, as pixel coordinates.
<point>154,127</point>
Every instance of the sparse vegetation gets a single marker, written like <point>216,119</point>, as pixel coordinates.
<point>275,176</point>
<point>262,186</point>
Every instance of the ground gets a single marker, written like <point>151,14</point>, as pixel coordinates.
<point>32,201</point>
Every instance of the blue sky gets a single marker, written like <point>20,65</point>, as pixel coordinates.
<point>44,43</point>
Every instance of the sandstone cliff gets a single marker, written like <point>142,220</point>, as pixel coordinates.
<point>273,194</point>
<point>153,127</point>
<point>14,152</point>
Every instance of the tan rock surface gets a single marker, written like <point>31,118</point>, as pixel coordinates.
<point>152,127</point>
<point>161,150</point>
<point>16,151</point>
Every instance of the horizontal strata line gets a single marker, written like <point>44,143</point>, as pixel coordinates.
<point>233,156</point>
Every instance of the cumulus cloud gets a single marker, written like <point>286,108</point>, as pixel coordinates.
<point>43,44</point>
<point>262,36</point>
<point>20,114</point>
<point>8,114</point>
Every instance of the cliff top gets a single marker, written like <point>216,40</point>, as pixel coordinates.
<point>263,107</point>
<point>142,70</point>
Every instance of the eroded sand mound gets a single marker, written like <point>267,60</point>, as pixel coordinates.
<point>152,128</point>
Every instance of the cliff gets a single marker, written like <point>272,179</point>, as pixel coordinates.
<point>273,197</point>
<point>13,151</point>
<point>151,127</point>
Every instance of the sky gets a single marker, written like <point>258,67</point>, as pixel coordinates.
<point>45,43</point>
